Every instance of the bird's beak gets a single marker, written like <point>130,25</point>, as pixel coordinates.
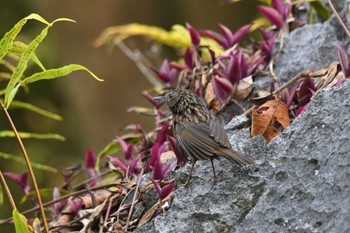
<point>159,97</point>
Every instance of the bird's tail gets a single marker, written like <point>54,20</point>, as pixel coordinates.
<point>236,157</point>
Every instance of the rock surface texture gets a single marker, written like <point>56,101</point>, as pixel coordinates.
<point>302,180</point>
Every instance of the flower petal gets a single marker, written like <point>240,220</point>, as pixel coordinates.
<point>344,60</point>
<point>90,159</point>
<point>222,88</point>
<point>272,15</point>
<point>166,190</point>
<point>181,159</point>
<point>239,34</point>
<point>195,37</point>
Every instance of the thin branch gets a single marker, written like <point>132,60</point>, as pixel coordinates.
<point>296,78</point>
<point>139,60</point>
<point>8,192</point>
<point>338,17</point>
<point>62,198</point>
<point>29,166</point>
<point>134,199</point>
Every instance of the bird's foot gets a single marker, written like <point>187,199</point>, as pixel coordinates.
<point>188,182</point>
<point>214,181</point>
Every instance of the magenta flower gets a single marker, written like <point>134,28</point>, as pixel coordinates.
<point>272,15</point>
<point>228,39</point>
<point>20,179</point>
<point>181,159</point>
<point>278,13</point>
<point>90,159</point>
<point>161,136</point>
<point>222,88</point>
<point>161,171</point>
<point>129,169</point>
<point>344,60</point>
<point>195,37</point>
<point>164,191</point>
<point>126,148</point>
<point>166,73</point>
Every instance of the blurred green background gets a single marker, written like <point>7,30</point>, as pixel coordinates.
<point>94,111</point>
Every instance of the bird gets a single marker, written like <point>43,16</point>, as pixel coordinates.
<point>198,133</point>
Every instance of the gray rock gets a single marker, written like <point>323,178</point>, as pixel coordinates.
<point>302,184</point>
<point>302,180</point>
<point>312,47</point>
<point>308,171</point>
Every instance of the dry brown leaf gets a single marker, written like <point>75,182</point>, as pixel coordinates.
<point>244,88</point>
<point>210,98</point>
<point>167,156</point>
<point>270,119</point>
<point>330,77</point>
<point>260,96</point>
<point>151,211</point>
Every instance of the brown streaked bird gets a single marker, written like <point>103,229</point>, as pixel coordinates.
<point>199,134</point>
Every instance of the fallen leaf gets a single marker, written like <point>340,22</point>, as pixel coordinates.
<point>244,88</point>
<point>210,98</point>
<point>151,211</point>
<point>270,119</point>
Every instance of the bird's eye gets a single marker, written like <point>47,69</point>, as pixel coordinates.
<point>171,96</point>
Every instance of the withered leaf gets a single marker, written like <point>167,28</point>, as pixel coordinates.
<point>210,98</point>
<point>244,88</point>
<point>270,119</point>
<point>151,211</point>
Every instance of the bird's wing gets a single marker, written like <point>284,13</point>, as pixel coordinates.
<point>218,133</point>
<point>195,140</point>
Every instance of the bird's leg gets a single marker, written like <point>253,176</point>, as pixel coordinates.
<point>188,181</point>
<point>215,178</point>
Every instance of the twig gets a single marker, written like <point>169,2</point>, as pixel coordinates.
<point>139,60</point>
<point>8,192</point>
<point>296,78</point>
<point>29,166</point>
<point>134,199</point>
<point>61,199</point>
<point>246,113</point>
<point>338,17</point>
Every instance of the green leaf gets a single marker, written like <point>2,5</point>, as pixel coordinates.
<point>19,47</point>
<point>20,222</point>
<point>20,159</point>
<point>21,67</point>
<point>28,106</point>
<point>22,64</point>
<point>321,10</point>
<point>6,41</point>
<point>1,195</point>
<point>46,193</point>
<point>111,148</point>
<point>59,72</point>
<point>178,37</point>
<point>26,135</point>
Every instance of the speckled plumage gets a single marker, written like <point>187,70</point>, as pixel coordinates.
<point>199,134</point>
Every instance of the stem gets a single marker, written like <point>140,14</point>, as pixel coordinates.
<point>140,61</point>
<point>29,166</point>
<point>134,199</point>
<point>338,17</point>
<point>296,78</point>
<point>61,199</point>
<point>13,204</point>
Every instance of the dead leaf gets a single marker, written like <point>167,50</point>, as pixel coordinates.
<point>260,96</point>
<point>151,211</point>
<point>270,119</point>
<point>210,98</point>
<point>330,77</point>
<point>167,156</point>
<point>244,88</point>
